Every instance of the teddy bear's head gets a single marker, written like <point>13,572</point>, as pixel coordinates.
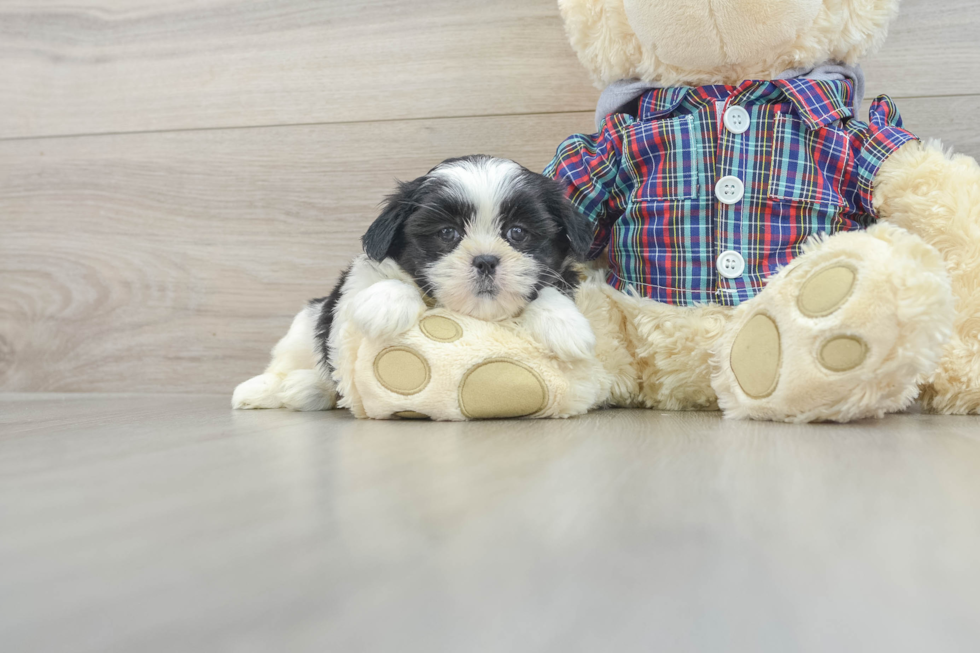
<point>697,42</point>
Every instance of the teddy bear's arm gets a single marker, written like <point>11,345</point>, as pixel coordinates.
<point>936,195</point>
<point>589,166</point>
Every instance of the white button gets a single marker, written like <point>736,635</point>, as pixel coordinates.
<point>737,120</point>
<point>730,264</point>
<point>729,190</point>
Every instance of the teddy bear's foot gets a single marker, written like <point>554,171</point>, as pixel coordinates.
<point>451,367</point>
<point>847,331</point>
<point>492,388</point>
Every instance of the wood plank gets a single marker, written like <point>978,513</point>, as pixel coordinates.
<point>173,262</point>
<point>169,523</point>
<point>111,66</point>
<point>114,66</point>
<point>933,49</point>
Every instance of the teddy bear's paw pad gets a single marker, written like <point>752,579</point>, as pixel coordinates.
<point>755,357</point>
<point>401,370</point>
<point>410,414</point>
<point>826,291</point>
<point>440,329</point>
<point>501,388</point>
<point>843,354</point>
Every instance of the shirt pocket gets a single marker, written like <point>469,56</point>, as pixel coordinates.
<point>808,165</point>
<point>663,159</point>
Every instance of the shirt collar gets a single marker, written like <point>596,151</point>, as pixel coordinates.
<point>818,102</point>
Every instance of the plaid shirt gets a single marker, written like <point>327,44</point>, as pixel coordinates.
<point>648,183</point>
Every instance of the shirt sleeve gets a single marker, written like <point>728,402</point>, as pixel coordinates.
<point>590,168</point>
<point>875,140</point>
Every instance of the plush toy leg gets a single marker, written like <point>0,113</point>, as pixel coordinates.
<point>936,195</point>
<point>673,352</point>
<point>846,331</point>
<point>452,367</point>
<point>657,355</point>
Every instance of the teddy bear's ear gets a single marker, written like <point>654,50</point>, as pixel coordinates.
<point>600,33</point>
<point>398,206</point>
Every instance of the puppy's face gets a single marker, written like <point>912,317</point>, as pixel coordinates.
<point>482,236</point>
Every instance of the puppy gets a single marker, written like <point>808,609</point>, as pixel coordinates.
<point>478,235</point>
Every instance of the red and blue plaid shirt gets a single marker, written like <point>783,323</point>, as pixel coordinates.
<point>648,183</point>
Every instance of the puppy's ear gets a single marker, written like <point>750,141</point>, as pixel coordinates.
<point>398,206</point>
<point>577,228</point>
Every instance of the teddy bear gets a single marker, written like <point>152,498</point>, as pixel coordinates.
<point>776,253</point>
<point>760,246</point>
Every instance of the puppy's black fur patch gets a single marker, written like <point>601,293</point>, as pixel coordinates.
<point>328,305</point>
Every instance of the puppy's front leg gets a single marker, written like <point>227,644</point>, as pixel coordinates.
<point>386,308</point>
<point>555,321</point>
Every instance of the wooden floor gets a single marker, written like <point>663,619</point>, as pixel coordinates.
<point>171,523</point>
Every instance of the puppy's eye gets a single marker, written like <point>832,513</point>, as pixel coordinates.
<point>516,234</point>
<point>449,235</point>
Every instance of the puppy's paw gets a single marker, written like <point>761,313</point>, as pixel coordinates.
<point>386,309</point>
<point>307,390</point>
<point>555,321</point>
<point>260,391</point>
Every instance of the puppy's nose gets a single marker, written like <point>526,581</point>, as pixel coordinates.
<point>486,264</point>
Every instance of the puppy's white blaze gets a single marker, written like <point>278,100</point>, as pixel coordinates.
<point>485,184</point>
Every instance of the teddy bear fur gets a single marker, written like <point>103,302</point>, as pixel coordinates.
<point>744,39</point>
<point>914,307</point>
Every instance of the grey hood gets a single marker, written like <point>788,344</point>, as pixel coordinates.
<point>619,95</point>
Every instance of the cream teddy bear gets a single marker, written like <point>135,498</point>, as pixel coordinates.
<point>773,251</point>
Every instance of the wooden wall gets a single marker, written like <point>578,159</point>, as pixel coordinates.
<point>176,178</point>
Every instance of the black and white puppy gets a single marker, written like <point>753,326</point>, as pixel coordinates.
<point>478,235</point>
